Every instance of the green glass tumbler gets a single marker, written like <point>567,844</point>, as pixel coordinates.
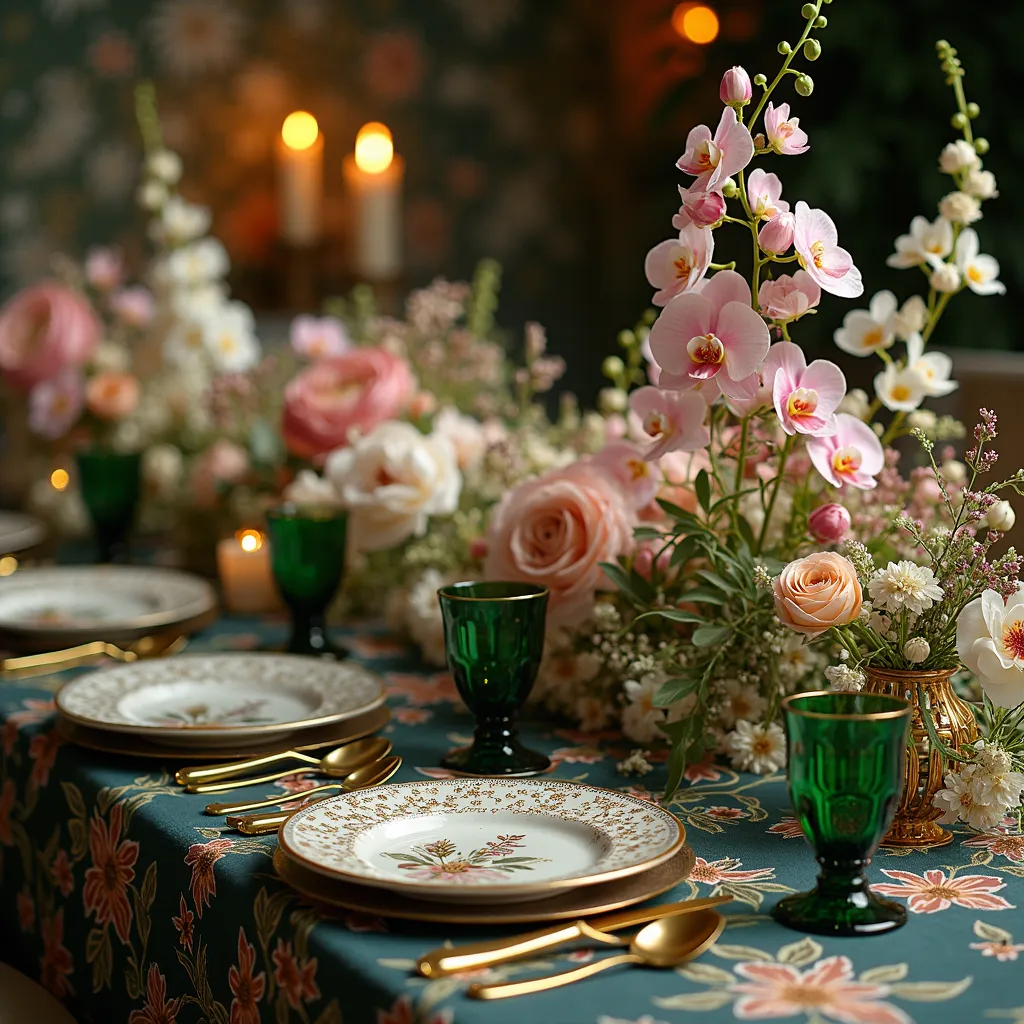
<point>845,768</point>
<point>110,483</point>
<point>307,556</point>
<point>494,640</point>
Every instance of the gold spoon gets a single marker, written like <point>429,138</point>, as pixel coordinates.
<point>340,761</point>
<point>667,942</point>
<point>371,775</point>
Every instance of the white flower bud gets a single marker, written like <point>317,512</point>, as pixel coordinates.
<point>945,278</point>
<point>960,208</point>
<point>1001,517</point>
<point>612,400</point>
<point>980,184</point>
<point>910,318</point>
<point>958,156</point>
<point>855,402</point>
<point>954,471</point>
<point>923,419</point>
<point>916,650</point>
<point>164,165</point>
<point>151,195</point>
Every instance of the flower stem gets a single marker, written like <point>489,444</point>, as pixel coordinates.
<point>786,449</point>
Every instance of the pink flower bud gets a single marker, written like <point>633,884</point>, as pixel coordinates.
<point>700,208</point>
<point>777,234</point>
<point>735,89</point>
<point>478,548</point>
<point>828,523</point>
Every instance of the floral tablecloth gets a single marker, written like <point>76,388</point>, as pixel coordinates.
<point>131,905</point>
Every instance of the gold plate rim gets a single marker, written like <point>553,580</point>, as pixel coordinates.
<point>399,886</point>
<point>588,902</point>
<point>362,725</point>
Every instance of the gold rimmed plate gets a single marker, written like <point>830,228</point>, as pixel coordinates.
<point>309,739</point>
<point>586,902</point>
<point>484,840</point>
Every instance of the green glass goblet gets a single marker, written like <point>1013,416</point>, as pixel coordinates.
<point>110,483</point>
<point>494,639</point>
<point>845,768</point>
<point>307,556</point>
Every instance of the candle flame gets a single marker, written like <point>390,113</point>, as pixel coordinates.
<point>59,479</point>
<point>250,540</point>
<point>696,22</point>
<point>374,148</point>
<point>299,130</point>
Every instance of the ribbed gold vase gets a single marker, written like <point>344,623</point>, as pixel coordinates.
<point>914,824</point>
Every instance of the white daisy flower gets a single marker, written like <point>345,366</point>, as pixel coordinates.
<point>640,718</point>
<point>740,702</point>
<point>230,339</point>
<point>756,748</point>
<point>980,271</point>
<point>902,389</point>
<point>865,331</point>
<point>904,584</point>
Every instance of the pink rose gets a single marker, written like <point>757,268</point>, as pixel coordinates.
<point>355,391</point>
<point>817,592</point>
<point>828,523</point>
<point>112,396</point>
<point>45,329</point>
<point>556,530</point>
<point>224,463</point>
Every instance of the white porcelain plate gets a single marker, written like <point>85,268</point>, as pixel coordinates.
<point>207,699</point>
<point>76,604</point>
<point>19,531</point>
<point>487,840</point>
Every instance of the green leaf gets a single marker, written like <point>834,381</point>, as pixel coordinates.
<point>674,689</point>
<point>991,933</point>
<point>712,1000</point>
<point>728,952</point>
<point>680,515</point>
<point>702,487</point>
<point>149,886</point>
<point>704,595</point>
<point>623,581</point>
<point>331,1014</point>
<point>800,954</point>
<point>101,956</point>
<point>73,795</point>
<point>715,580</point>
<point>709,636</point>
<point>680,732</point>
<point>647,533</point>
<point>672,614</point>
<point>684,551</point>
<point>706,974</point>
<point>931,991</point>
<point>745,531</point>
<point>884,975</point>
<point>79,838</point>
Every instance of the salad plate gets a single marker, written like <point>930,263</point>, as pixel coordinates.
<point>19,531</point>
<point>484,840</point>
<point>214,699</point>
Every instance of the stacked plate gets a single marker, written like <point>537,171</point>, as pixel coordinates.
<point>483,851</point>
<point>221,705</point>
<point>19,532</point>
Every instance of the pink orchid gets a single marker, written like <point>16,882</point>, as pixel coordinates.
<point>711,337</point>
<point>679,264</point>
<point>829,265</point>
<point>785,135</point>
<point>55,404</point>
<point>805,396</point>
<point>761,398</point>
<point>627,465</point>
<point>852,455</point>
<point>735,88</point>
<point>713,160</point>
<point>777,235</point>
<point>319,337</point>
<point>698,207</point>
<point>764,192</point>
<point>788,297</point>
<point>673,419</point>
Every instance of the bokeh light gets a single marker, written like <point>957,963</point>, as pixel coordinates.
<point>299,130</point>
<point>697,23</point>
<point>374,148</point>
<point>250,540</point>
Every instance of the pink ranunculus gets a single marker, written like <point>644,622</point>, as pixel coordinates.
<point>764,193</point>
<point>672,420</point>
<point>788,298</point>
<point>699,208</point>
<point>852,455</point>
<point>679,264</point>
<point>784,132</point>
<point>353,392</point>
<point>805,397</point>
<point>133,306</point>
<point>713,160</point>
<point>625,463</point>
<point>104,268</point>
<point>556,530</point>
<point>735,89</point>
<point>830,266</point>
<point>54,404</point>
<point>44,329</point>
<point>319,337</point>
<point>777,235</point>
<point>223,463</point>
<point>713,337</point>
<point>829,523</point>
<point>111,395</point>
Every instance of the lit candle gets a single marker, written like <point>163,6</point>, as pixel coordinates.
<point>373,176</point>
<point>243,564</point>
<point>300,179</point>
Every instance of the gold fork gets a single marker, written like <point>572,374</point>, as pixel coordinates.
<point>27,665</point>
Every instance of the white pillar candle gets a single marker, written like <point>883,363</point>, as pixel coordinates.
<point>373,177</point>
<point>247,581</point>
<point>300,173</point>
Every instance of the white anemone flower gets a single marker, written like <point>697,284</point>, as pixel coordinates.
<point>900,389</point>
<point>990,643</point>
<point>980,271</point>
<point>865,331</point>
<point>926,243</point>
<point>933,367</point>
<point>757,748</point>
<point>230,339</point>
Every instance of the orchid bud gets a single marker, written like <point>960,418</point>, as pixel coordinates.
<point>612,400</point>
<point>829,523</point>
<point>760,80</point>
<point>1001,517</point>
<point>812,49</point>
<point>981,146</point>
<point>784,48</point>
<point>804,85</point>
<point>703,208</point>
<point>612,367</point>
<point>778,233</point>
<point>807,11</point>
<point>916,650</point>
<point>735,90</point>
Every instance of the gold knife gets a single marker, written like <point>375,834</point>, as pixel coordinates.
<point>439,963</point>
<point>27,665</point>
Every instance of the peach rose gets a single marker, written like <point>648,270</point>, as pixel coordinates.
<point>817,592</point>
<point>556,530</point>
<point>355,391</point>
<point>112,396</point>
<point>44,329</point>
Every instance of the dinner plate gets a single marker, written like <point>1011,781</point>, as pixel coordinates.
<point>69,605</point>
<point>586,902</point>
<point>485,840</point>
<point>319,738</point>
<point>19,531</point>
<point>206,699</point>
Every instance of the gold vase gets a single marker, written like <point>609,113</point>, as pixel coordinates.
<point>914,824</point>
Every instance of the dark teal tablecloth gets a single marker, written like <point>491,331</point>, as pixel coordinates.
<point>131,905</point>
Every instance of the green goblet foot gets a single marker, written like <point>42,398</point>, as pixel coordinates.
<point>833,909</point>
<point>110,483</point>
<point>494,639</point>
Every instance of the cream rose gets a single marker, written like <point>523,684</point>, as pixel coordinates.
<point>556,530</point>
<point>817,592</point>
<point>392,480</point>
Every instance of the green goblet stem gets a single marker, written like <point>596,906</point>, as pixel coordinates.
<point>110,486</point>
